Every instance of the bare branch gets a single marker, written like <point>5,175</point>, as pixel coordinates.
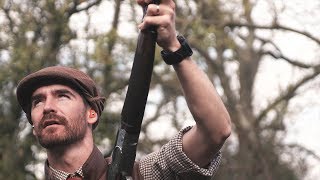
<point>294,63</point>
<point>272,27</point>
<point>301,148</point>
<point>286,96</point>
<point>74,9</point>
<point>278,55</point>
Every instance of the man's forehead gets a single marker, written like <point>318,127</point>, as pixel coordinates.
<point>54,88</point>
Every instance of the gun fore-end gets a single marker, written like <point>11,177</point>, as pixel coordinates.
<point>123,155</point>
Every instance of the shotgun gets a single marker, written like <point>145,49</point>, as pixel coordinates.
<point>124,152</point>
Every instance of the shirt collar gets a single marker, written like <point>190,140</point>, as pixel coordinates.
<point>62,175</point>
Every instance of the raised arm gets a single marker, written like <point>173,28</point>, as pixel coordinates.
<point>213,124</point>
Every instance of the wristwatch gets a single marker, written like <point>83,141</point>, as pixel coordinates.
<point>179,55</point>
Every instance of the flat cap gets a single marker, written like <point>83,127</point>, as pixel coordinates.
<point>73,78</point>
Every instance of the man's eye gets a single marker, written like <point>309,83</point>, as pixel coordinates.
<point>36,102</point>
<point>63,96</point>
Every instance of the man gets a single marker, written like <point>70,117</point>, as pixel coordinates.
<point>64,106</point>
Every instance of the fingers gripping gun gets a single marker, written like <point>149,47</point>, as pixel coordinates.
<point>124,152</point>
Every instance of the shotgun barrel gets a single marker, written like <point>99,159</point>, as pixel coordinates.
<point>124,152</point>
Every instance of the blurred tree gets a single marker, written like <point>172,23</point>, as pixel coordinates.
<point>234,44</point>
<point>230,43</point>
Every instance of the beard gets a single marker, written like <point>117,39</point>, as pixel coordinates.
<point>74,131</point>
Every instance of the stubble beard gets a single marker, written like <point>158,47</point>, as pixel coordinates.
<point>74,131</point>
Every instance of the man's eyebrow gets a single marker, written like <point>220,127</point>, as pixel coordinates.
<point>57,91</point>
<point>64,91</point>
<point>36,97</point>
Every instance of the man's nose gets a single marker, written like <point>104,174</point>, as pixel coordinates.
<point>49,106</point>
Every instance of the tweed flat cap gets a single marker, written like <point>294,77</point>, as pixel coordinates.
<point>73,78</point>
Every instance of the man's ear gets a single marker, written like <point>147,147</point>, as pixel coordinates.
<point>92,116</point>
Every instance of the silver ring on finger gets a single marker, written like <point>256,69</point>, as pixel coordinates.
<point>158,10</point>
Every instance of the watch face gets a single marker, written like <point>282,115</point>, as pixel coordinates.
<point>189,50</point>
<point>186,50</point>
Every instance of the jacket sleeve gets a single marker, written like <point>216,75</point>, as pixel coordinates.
<point>170,162</point>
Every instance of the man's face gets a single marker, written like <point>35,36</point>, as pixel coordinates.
<point>59,116</point>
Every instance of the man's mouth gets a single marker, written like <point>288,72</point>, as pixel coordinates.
<point>50,122</point>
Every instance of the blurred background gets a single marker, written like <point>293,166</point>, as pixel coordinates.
<point>263,57</point>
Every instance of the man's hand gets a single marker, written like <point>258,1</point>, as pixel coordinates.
<point>163,17</point>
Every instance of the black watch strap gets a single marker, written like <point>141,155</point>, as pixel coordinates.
<point>179,55</point>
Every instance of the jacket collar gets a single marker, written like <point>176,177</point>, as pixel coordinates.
<point>94,168</point>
